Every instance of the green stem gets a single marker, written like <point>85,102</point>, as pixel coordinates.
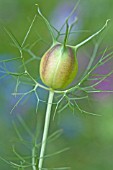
<point>46,128</point>
<point>34,158</point>
<point>34,149</point>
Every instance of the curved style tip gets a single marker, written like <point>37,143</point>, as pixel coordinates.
<point>108,20</point>
<point>39,12</point>
<point>47,23</point>
<point>38,9</point>
<point>37,5</point>
<point>106,24</point>
<point>92,36</point>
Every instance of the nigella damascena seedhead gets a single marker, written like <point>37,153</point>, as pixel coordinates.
<point>58,66</point>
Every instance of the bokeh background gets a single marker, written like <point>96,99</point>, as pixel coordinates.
<point>90,138</point>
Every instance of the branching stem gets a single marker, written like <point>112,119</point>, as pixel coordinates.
<point>46,128</point>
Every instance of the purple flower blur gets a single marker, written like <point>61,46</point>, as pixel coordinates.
<point>107,84</point>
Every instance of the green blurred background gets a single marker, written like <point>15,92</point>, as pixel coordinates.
<point>90,138</point>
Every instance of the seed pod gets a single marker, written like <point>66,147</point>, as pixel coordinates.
<point>58,66</point>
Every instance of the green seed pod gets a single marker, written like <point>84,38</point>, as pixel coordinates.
<point>58,66</point>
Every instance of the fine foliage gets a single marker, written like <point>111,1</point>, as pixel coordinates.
<point>61,58</point>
